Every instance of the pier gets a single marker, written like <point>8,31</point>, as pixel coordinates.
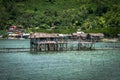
<point>55,42</point>
<point>14,49</point>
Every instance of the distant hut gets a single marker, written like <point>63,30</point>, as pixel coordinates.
<point>26,35</point>
<point>13,28</point>
<point>79,35</point>
<point>83,36</point>
<point>74,36</point>
<point>95,36</point>
<point>65,36</point>
<point>89,37</point>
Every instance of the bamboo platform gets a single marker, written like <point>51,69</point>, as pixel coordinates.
<point>61,46</point>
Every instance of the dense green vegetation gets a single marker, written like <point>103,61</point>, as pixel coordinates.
<point>63,16</point>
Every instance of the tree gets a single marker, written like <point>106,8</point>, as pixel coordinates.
<point>9,13</point>
<point>51,1</point>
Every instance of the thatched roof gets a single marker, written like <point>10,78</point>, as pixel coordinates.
<point>43,35</point>
<point>48,35</point>
<point>75,34</point>
<point>80,34</point>
<point>83,35</point>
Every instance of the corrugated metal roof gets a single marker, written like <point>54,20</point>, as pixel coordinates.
<point>97,34</point>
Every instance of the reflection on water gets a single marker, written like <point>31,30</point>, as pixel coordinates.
<point>70,65</point>
<point>107,45</point>
<point>15,43</point>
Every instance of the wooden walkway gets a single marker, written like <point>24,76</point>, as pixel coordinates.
<point>53,42</point>
<point>14,49</point>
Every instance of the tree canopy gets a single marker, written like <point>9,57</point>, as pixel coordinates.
<point>64,16</point>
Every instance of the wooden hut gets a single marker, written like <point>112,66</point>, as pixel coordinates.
<point>81,36</point>
<point>47,41</point>
<point>56,42</point>
<point>74,36</point>
<point>37,40</point>
<point>95,36</point>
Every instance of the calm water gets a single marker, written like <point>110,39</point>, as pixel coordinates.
<point>70,65</point>
<point>14,43</point>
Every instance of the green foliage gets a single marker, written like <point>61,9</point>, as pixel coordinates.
<point>4,36</point>
<point>64,16</point>
<point>109,32</point>
<point>3,33</point>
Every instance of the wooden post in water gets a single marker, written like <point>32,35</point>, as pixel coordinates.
<point>66,46</point>
<point>78,46</point>
<point>45,48</point>
<point>48,46</point>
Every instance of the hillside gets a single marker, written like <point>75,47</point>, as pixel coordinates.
<point>61,16</point>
